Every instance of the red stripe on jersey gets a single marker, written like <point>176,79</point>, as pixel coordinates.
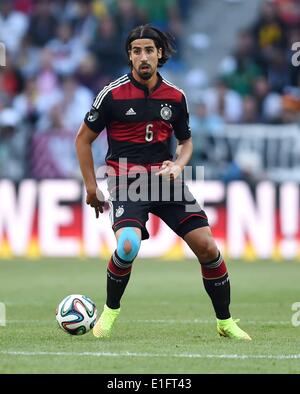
<point>116,168</point>
<point>164,91</point>
<point>127,92</point>
<point>136,132</point>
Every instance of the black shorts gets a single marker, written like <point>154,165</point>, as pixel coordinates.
<point>180,211</point>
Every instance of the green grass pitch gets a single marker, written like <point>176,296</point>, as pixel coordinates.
<point>166,324</point>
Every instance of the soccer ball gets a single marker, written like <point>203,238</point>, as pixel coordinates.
<point>76,314</point>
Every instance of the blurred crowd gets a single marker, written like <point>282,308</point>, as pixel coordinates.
<point>60,53</point>
<point>257,84</point>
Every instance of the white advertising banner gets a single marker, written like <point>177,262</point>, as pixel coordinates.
<point>50,218</point>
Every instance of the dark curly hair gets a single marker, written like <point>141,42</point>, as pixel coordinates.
<point>162,40</point>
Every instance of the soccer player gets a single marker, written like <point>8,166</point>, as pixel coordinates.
<point>141,110</point>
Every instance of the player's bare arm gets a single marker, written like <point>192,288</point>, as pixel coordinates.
<point>84,139</point>
<point>172,169</point>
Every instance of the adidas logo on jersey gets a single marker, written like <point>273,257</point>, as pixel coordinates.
<point>131,111</point>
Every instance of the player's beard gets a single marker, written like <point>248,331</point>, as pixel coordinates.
<point>145,75</point>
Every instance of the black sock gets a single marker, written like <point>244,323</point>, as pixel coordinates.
<point>217,286</point>
<point>118,274</point>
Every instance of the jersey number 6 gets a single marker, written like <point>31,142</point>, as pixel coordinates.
<point>149,133</point>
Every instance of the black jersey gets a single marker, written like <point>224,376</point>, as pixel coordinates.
<point>139,124</point>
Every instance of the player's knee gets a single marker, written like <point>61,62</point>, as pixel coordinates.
<point>128,244</point>
<point>207,250</point>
